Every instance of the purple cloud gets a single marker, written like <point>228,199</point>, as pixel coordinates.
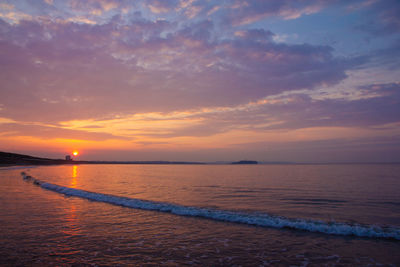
<point>116,68</point>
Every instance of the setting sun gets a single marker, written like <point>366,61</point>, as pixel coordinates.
<point>75,153</point>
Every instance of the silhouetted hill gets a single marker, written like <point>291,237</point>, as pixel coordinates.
<point>7,158</point>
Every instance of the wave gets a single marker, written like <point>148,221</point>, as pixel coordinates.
<point>263,220</point>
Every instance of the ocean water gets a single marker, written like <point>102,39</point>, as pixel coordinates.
<point>205,215</point>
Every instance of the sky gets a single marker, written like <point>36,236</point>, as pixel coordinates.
<point>272,80</point>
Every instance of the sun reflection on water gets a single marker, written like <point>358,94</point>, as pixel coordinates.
<point>74,176</point>
<point>72,226</point>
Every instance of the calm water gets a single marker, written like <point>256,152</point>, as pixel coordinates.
<point>207,215</point>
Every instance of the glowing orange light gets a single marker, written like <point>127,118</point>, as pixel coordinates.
<point>75,153</point>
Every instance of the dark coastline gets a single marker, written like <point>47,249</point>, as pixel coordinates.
<point>13,159</point>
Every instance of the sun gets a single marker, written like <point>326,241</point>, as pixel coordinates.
<point>75,153</point>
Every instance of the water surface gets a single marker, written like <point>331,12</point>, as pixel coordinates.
<point>39,225</point>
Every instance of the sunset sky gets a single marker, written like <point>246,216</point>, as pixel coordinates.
<point>276,80</point>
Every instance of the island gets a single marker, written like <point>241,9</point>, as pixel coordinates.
<point>245,162</point>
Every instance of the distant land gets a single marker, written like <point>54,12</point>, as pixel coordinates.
<point>7,158</point>
<point>12,159</point>
<point>245,162</point>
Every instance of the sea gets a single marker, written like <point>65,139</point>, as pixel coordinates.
<point>200,215</point>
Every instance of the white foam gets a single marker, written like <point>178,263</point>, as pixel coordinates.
<point>263,220</point>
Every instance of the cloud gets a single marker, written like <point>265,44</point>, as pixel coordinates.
<point>90,5</point>
<point>6,6</point>
<point>52,132</point>
<point>88,71</point>
<point>382,107</point>
<point>247,12</point>
<point>161,6</point>
<point>298,111</point>
<point>286,117</point>
<point>198,75</point>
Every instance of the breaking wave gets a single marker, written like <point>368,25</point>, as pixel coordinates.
<point>263,220</point>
